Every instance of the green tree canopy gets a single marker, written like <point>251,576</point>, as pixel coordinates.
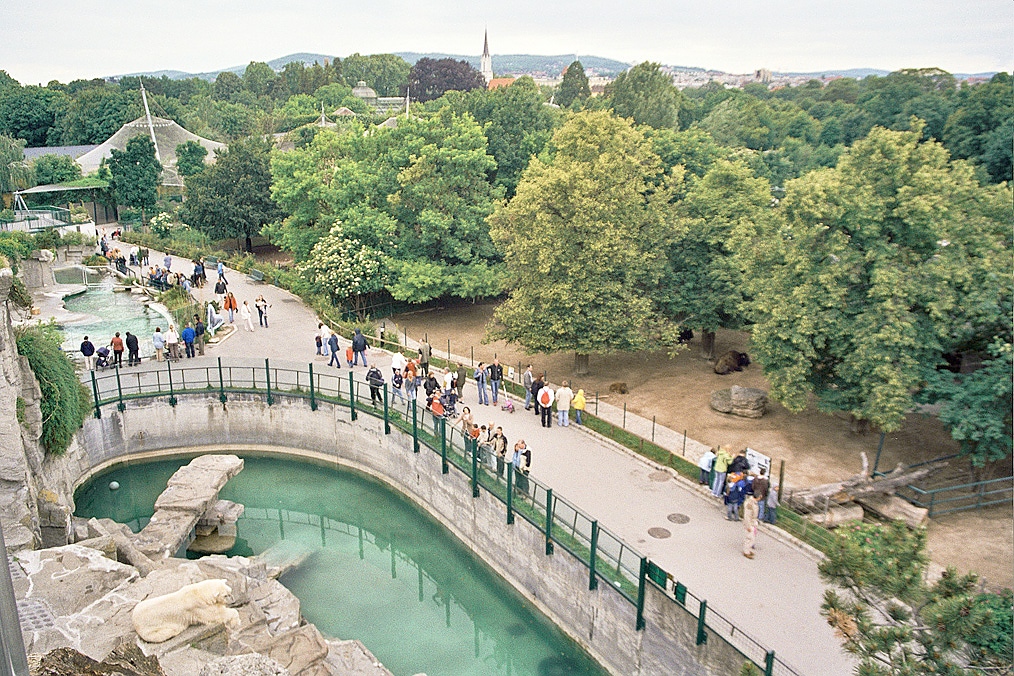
<point>15,173</point>
<point>646,95</point>
<point>430,78</point>
<point>135,174</point>
<point>875,270</point>
<point>50,169</point>
<point>583,240</point>
<point>387,74</point>
<point>232,197</point>
<point>574,86</point>
<point>190,158</point>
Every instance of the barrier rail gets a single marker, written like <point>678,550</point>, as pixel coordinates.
<point>607,557</point>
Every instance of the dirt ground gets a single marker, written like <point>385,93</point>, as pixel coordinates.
<point>816,447</point>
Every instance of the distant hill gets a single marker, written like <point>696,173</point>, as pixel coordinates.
<point>856,73</point>
<point>530,64</point>
<point>276,64</point>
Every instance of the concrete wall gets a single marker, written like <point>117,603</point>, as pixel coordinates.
<point>602,620</point>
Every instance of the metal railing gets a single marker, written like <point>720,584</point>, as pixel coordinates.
<point>606,556</point>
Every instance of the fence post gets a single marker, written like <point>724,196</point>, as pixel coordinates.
<point>415,427</point>
<point>510,492</point>
<point>443,446</point>
<point>267,374</point>
<point>781,478</point>
<point>933,498</point>
<point>448,353</point>
<point>596,403</point>
<point>642,576</point>
<point>387,416</point>
<point>880,448</point>
<point>549,521</point>
<point>172,395</point>
<point>684,454</point>
<point>469,442</point>
<point>769,663</point>
<point>593,582</point>
<point>121,407</point>
<point>352,397</point>
<point>221,383</point>
<point>95,394</point>
<point>313,392</point>
<point>652,429</point>
<point>702,634</point>
<point>624,415</point>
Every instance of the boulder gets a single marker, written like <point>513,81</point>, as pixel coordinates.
<point>746,402</point>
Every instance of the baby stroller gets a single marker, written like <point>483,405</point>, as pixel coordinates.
<point>449,400</point>
<point>508,406</point>
<point>102,357</point>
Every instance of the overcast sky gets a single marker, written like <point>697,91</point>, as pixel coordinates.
<point>43,40</point>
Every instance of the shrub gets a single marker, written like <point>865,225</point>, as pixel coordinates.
<point>96,260</point>
<point>64,400</point>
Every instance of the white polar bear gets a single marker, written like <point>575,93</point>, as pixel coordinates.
<point>163,617</point>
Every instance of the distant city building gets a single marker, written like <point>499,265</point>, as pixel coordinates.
<point>486,62</point>
<point>498,82</point>
<point>763,75</point>
<point>382,104</point>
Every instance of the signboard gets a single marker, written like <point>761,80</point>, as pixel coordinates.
<point>510,373</point>
<point>758,460</point>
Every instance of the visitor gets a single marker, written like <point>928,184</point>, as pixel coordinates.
<point>495,378</point>
<point>167,262</point>
<point>318,341</point>
<point>740,464</point>
<point>499,450</point>
<point>536,388</point>
<point>88,352</point>
<point>332,343</point>
<point>397,382</point>
<point>158,342</point>
<point>705,464</point>
<point>323,334</point>
<point>480,374</point>
<point>750,510</point>
<point>172,341</point>
<point>430,386</point>
<point>411,379</point>
<point>760,491</point>
<point>522,462</point>
<point>771,510</point>
<point>376,380</point>
<point>117,344</point>
<point>448,381</point>
<point>466,420</point>
<point>526,381</point>
<point>546,398</point>
<point>359,347</point>
<point>221,272</point>
<point>459,380</point>
<point>246,315</point>
<point>189,336</point>
<point>348,355</point>
<point>262,310</point>
<point>564,396</point>
<point>230,304</point>
<point>578,405</point>
<point>398,362</point>
<point>133,350</point>
<point>198,273</point>
<point>721,467</point>
<point>735,496</point>
<point>425,352</point>
<point>221,289</point>
<point>200,329</point>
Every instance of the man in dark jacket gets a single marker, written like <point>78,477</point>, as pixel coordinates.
<point>495,378</point>
<point>376,380</point>
<point>358,348</point>
<point>133,350</point>
<point>200,329</point>
<point>88,352</point>
<point>739,464</point>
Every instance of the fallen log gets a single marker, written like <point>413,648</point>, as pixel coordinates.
<point>893,507</point>
<point>861,485</point>
<point>837,515</point>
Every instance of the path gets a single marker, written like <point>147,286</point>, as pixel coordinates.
<point>775,598</point>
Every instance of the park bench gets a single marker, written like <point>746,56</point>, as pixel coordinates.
<point>256,275</point>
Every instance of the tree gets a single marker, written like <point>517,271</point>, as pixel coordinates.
<point>897,624</point>
<point>574,86</point>
<point>646,95</point>
<point>135,174</point>
<point>874,270</point>
<point>29,113</point>
<point>50,169</point>
<point>430,78</point>
<point>15,173</point>
<point>581,241</point>
<point>190,158</point>
<point>227,85</point>
<point>387,74</point>
<point>232,197</point>
<point>345,269</point>
<point>258,77</point>
<point>95,114</point>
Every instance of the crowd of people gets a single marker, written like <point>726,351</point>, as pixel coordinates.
<point>747,493</point>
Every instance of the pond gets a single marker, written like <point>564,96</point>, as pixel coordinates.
<point>108,311</point>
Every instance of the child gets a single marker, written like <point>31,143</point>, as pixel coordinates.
<point>348,356</point>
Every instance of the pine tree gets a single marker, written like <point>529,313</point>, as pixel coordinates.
<point>574,85</point>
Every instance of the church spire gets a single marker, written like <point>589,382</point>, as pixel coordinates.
<point>486,62</point>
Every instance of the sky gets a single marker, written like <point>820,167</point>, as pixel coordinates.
<point>43,40</point>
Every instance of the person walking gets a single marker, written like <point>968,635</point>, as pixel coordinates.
<point>231,305</point>
<point>172,341</point>
<point>750,510</point>
<point>323,335</point>
<point>332,344</point>
<point>167,262</point>
<point>722,460</point>
<point>546,397</point>
<point>88,352</point>
<point>705,464</point>
<point>158,342</point>
<point>133,350</point>
<point>318,341</point>
<point>359,346</point>
<point>262,310</point>
<point>564,396</point>
<point>480,374</point>
<point>200,330</point>
<point>117,344</point>
<point>246,316</point>
<point>397,382</point>
<point>526,381</point>
<point>221,272</point>
<point>459,381</point>
<point>495,378</point>
<point>578,405</point>
<point>411,379</point>
<point>424,357</point>
<point>189,336</point>
<point>376,380</point>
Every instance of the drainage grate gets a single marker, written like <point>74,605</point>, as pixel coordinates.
<point>659,533</point>
<point>16,572</point>
<point>679,518</point>
<point>35,615</point>
<point>660,476</point>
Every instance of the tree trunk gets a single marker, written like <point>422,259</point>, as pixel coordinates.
<point>708,344</point>
<point>580,364</point>
<point>858,425</point>
<point>249,244</point>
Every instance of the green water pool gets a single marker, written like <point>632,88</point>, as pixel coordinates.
<point>110,311</point>
<point>379,570</point>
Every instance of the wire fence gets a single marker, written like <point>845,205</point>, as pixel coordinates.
<point>607,557</point>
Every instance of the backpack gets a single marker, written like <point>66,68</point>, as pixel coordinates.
<point>374,377</point>
<point>544,398</point>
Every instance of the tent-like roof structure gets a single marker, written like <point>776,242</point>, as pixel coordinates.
<point>168,135</point>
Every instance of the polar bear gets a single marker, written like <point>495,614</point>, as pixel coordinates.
<point>163,617</point>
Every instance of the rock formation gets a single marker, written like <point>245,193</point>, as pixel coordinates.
<point>746,402</point>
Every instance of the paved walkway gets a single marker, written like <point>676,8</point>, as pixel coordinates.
<point>775,597</point>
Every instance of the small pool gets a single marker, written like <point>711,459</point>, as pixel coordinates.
<point>380,570</point>
<point>110,311</point>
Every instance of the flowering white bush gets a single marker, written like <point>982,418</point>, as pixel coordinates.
<point>345,267</point>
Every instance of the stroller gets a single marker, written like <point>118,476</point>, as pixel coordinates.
<point>102,357</point>
<point>508,406</point>
<point>449,401</point>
